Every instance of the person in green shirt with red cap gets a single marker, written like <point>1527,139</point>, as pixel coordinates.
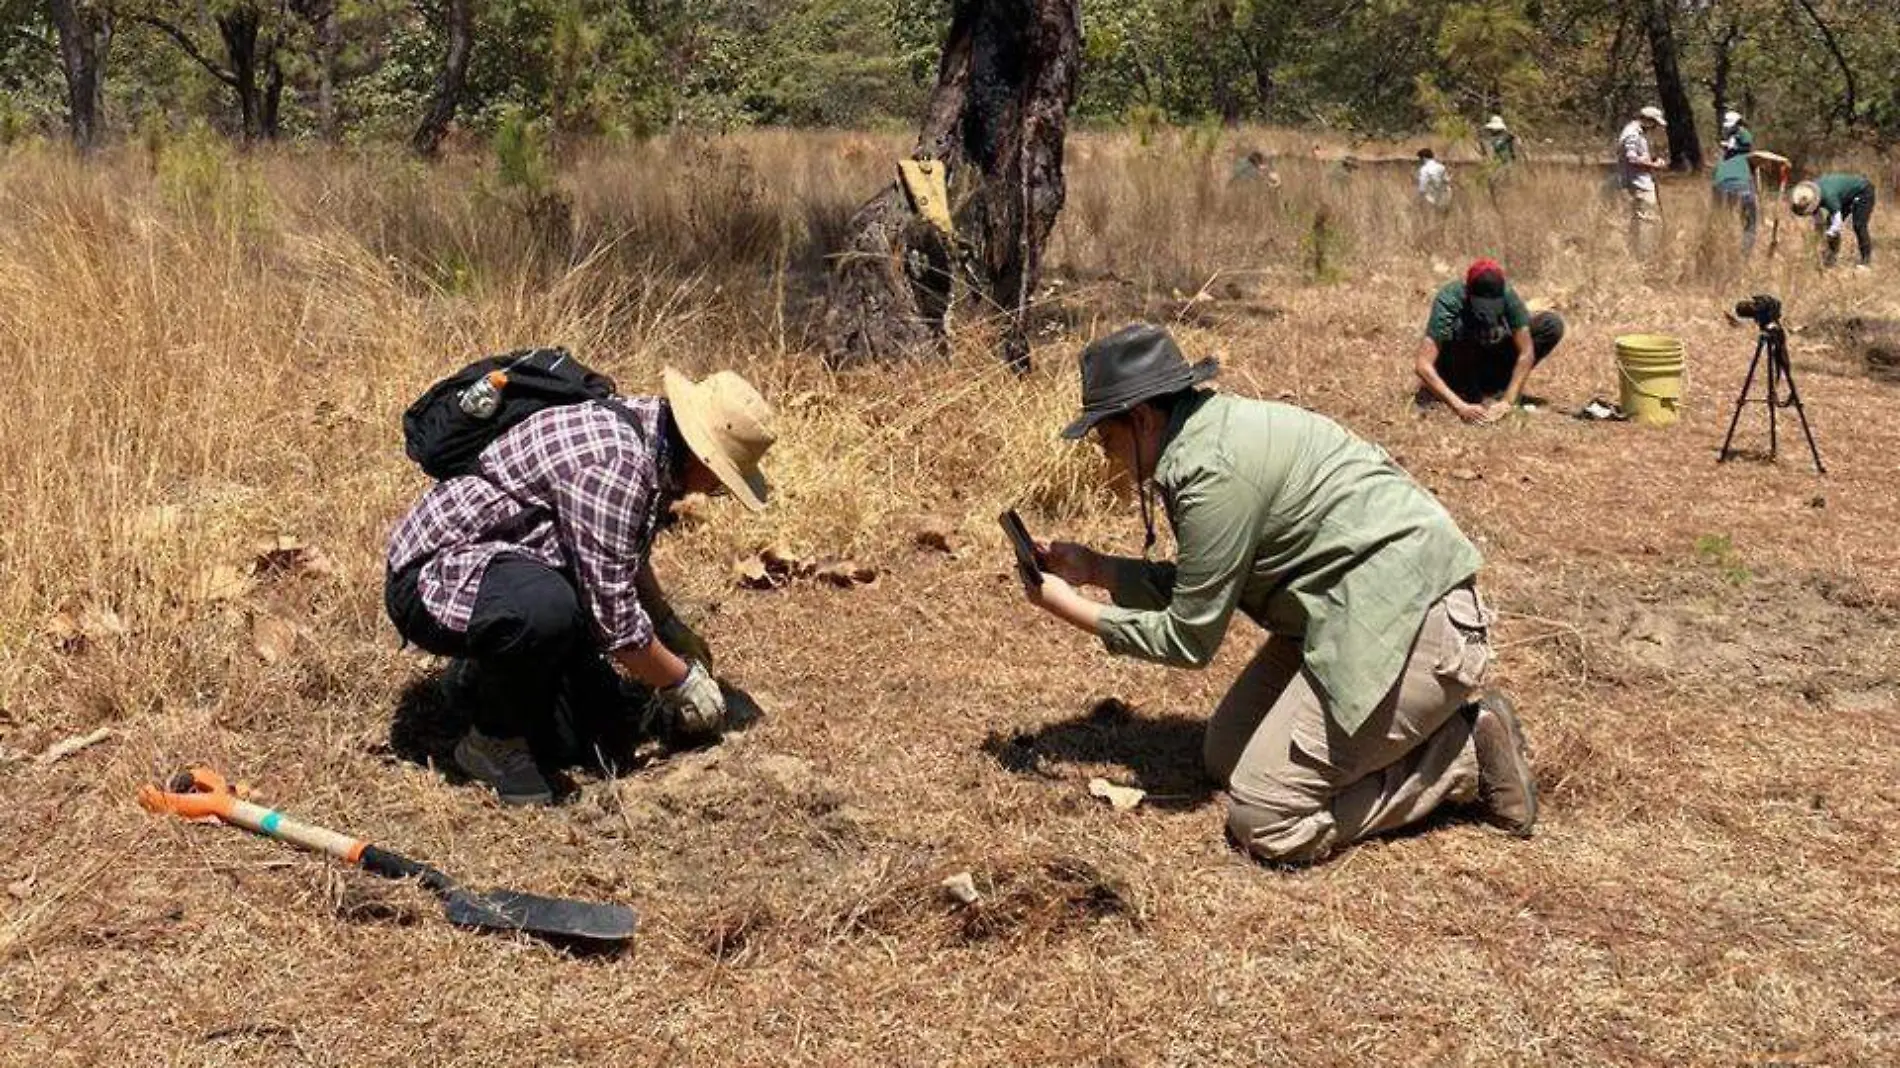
<point>1481,344</point>
<point>1362,712</point>
<point>1842,197</point>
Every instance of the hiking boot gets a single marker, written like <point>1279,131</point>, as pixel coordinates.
<point>1507,789</point>
<point>506,764</point>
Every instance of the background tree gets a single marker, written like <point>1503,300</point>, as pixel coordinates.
<point>85,36</point>
<point>458,35</point>
<point>996,120</point>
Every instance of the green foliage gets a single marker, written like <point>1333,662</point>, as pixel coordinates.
<point>200,175</point>
<point>1718,551</point>
<point>628,68</point>
<point>521,153</point>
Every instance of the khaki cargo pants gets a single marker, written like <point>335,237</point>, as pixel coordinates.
<point>1645,221</point>
<point>1299,787</point>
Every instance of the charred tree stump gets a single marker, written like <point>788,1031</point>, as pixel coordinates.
<point>996,121</point>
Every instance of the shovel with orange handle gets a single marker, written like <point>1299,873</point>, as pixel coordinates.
<point>199,793</point>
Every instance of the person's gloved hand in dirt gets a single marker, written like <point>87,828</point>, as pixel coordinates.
<point>695,706</point>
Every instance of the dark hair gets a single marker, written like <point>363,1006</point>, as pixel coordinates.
<point>1426,153</point>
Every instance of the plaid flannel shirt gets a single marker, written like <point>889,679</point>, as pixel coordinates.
<point>573,487</point>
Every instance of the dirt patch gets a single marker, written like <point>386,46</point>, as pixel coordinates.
<point>1024,899</point>
<point>1722,627</point>
<point>1869,344</point>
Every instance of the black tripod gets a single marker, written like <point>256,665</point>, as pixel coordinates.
<point>1774,342</point>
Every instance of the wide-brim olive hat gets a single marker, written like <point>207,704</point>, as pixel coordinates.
<point>728,425</point>
<point>1131,365</point>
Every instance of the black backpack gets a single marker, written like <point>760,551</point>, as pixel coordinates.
<point>447,441</point>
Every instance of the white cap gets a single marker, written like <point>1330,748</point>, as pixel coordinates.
<point>1731,118</point>
<point>1653,114</point>
<point>1496,122</point>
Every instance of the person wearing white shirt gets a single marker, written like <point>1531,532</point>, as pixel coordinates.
<point>1434,181</point>
<point>1636,169</point>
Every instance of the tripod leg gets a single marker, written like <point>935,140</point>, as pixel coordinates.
<point>1794,401</point>
<point>1774,387</point>
<point>1729,440</point>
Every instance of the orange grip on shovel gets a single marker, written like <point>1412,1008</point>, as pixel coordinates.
<point>199,793</point>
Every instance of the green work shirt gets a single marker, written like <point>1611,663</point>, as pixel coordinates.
<point>1733,175</point>
<point>1313,533</point>
<point>1450,322</point>
<point>1504,147</point>
<point>1839,190</point>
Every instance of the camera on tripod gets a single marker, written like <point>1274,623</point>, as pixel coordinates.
<point>1772,343</point>
<point>1763,308</point>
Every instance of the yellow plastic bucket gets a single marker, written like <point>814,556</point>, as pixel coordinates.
<point>1649,367</point>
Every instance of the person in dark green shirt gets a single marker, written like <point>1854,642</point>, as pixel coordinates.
<point>1362,711</point>
<point>1841,197</point>
<point>1499,142</point>
<point>1737,139</point>
<point>1734,187</point>
<point>1481,344</point>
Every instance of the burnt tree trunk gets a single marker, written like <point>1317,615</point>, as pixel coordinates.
<point>1685,151</point>
<point>459,28</point>
<point>85,33</point>
<point>996,120</point>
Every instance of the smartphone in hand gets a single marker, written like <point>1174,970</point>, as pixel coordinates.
<point>1027,562</point>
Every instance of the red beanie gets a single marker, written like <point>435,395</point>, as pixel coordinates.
<point>1485,275</point>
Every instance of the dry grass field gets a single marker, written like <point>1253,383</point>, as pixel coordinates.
<point>200,456</point>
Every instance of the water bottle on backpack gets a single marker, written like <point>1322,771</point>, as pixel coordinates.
<point>481,400</point>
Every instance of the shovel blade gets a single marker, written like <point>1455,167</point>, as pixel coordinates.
<point>595,925</point>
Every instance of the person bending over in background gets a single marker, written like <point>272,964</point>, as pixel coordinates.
<point>1481,344</point>
<point>1360,714</point>
<point>534,573</point>
<point>1841,197</point>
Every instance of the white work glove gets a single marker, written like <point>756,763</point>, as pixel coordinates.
<point>695,705</point>
<point>684,641</point>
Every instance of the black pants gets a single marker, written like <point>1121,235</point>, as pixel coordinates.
<point>1859,211</point>
<point>1475,370</point>
<point>529,649</point>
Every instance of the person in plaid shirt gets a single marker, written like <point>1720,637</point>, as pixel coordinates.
<point>529,571</point>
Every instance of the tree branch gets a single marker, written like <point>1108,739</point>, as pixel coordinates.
<point>191,48</point>
<point>1848,105</point>
<point>47,43</point>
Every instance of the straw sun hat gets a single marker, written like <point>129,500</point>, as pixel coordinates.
<point>728,426</point>
<point>1803,198</point>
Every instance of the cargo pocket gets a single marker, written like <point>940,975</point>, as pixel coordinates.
<point>1468,653</point>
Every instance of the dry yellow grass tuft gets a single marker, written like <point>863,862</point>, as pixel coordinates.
<point>201,456</point>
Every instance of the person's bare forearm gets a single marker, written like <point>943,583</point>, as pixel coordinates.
<point>1427,368</point>
<point>652,663</point>
<point>646,585</point>
<point>1521,373</point>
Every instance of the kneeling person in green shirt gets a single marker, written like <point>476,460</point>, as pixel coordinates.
<point>1361,713</point>
<point>1481,344</point>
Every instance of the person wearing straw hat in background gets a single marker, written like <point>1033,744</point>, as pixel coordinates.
<point>1500,144</point>
<point>1841,198</point>
<point>534,573</point>
<point>1362,712</point>
<point>1636,173</point>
